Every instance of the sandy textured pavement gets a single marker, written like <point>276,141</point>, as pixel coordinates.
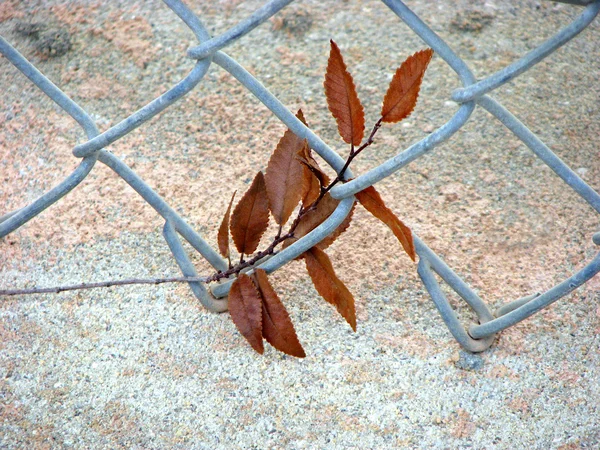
<point>148,367</point>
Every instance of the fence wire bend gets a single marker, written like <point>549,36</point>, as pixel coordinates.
<point>473,93</point>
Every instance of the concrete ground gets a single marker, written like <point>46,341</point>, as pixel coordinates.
<point>148,367</point>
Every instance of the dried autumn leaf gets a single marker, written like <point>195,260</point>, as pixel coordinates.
<point>373,203</point>
<point>250,217</point>
<point>317,216</point>
<point>342,99</point>
<point>306,159</point>
<point>284,177</point>
<point>339,230</point>
<point>311,184</point>
<point>277,327</point>
<point>312,219</point>
<point>300,115</point>
<point>245,308</point>
<point>223,236</point>
<point>328,285</point>
<point>401,97</point>
<point>311,187</point>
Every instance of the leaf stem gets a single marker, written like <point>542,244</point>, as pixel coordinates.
<point>250,262</point>
<point>354,154</point>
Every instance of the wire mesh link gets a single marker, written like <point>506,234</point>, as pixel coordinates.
<point>187,268</point>
<point>473,93</point>
<point>233,34</point>
<point>532,58</point>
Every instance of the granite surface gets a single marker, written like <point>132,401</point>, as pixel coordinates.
<point>148,367</point>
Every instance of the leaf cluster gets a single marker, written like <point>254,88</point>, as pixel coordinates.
<point>294,181</point>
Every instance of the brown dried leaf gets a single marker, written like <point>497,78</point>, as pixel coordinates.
<point>300,115</point>
<point>312,219</point>
<point>342,99</point>
<point>373,203</point>
<point>284,176</point>
<point>311,184</point>
<point>223,236</point>
<point>306,158</point>
<point>245,308</point>
<point>311,187</point>
<point>250,217</point>
<point>401,97</point>
<point>277,327</point>
<point>313,178</point>
<point>339,230</point>
<point>328,285</point>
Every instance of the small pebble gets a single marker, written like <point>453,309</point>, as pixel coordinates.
<point>469,361</point>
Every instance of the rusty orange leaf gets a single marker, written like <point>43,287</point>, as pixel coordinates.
<point>277,327</point>
<point>338,231</point>
<point>312,219</point>
<point>328,285</point>
<point>311,187</point>
<point>372,202</point>
<point>245,308</point>
<point>223,235</point>
<point>284,177</point>
<point>342,99</point>
<point>401,97</point>
<point>250,217</point>
<point>317,216</point>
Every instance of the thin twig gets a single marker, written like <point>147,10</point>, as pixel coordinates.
<point>353,154</point>
<point>58,289</point>
<point>250,262</point>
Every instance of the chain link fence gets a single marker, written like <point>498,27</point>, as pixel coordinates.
<point>473,93</point>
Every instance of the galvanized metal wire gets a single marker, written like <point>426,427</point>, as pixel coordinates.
<point>472,94</point>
